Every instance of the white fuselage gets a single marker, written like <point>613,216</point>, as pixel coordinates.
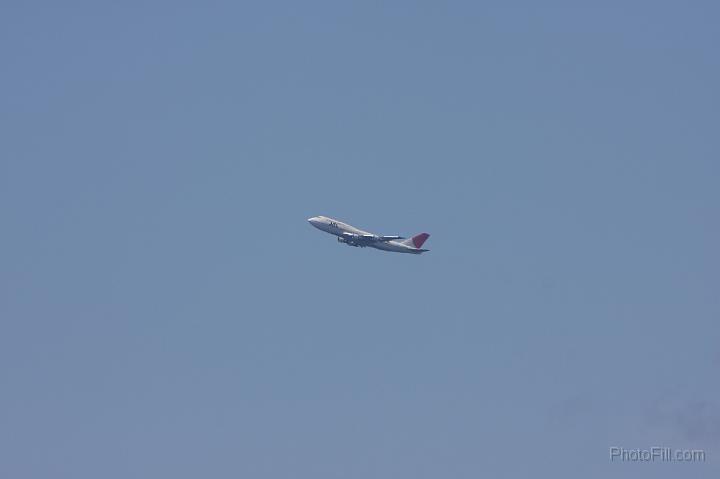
<point>341,230</point>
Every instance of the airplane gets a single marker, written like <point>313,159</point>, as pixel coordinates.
<point>352,236</point>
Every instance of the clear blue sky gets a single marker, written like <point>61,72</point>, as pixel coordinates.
<point>167,311</point>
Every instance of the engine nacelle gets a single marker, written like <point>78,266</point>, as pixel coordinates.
<point>347,241</point>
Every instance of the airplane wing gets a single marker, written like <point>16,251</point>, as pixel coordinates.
<point>365,239</point>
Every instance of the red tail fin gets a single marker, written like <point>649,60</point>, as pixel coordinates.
<point>418,240</point>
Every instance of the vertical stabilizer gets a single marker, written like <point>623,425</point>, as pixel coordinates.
<point>416,241</point>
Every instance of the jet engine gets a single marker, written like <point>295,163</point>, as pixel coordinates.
<point>346,241</point>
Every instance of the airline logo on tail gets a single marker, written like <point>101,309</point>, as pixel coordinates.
<point>418,240</point>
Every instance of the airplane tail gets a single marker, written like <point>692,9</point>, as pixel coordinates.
<point>416,241</point>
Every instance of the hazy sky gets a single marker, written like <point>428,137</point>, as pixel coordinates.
<point>167,311</point>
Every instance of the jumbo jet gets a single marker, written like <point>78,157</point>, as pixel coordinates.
<point>352,236</point>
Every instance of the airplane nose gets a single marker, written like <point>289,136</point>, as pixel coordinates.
<point>313,221</point>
